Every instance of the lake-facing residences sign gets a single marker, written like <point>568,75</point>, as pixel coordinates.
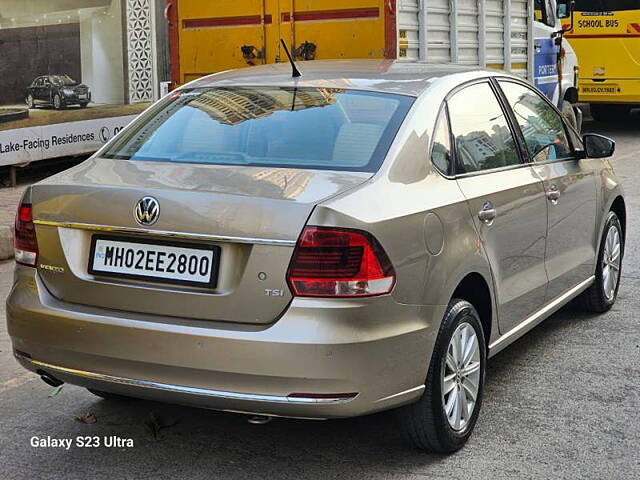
<point>46,143</point>
<point>29,144</point>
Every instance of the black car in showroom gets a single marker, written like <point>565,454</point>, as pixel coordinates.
<point>58,91</point>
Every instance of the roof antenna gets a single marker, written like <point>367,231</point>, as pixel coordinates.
<point>294,70</point>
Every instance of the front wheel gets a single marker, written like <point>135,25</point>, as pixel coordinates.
<point>29,101</point>
<point>57,102</point>
<point>444,417</point>
<point>602,294</point>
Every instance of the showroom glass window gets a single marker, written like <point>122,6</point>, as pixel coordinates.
<point>483,139</point>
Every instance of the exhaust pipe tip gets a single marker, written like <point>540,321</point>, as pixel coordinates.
<point>259,419</point>
<point>49,379</point>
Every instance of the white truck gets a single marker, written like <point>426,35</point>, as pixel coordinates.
<point>518,36</point>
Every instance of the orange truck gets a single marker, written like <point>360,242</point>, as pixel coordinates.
<point>212,36</point>
<point>207,37</point>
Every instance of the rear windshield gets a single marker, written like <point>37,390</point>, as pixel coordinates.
<point>315,128</point>
<point>606,5</point>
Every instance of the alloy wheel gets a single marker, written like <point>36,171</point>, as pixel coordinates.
<point>461,376</point>
<point>56,102</point>
<point>611,260</point>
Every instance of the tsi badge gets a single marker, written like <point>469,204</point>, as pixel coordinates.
<point>273,292</point>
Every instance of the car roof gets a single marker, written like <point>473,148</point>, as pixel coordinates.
<point>393,76</point>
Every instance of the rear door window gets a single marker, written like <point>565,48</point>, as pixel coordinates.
<point>483,138</point>
<point>314,128</point>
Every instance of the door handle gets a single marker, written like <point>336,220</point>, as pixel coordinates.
<point>487,214</point>
<point>553,194</point>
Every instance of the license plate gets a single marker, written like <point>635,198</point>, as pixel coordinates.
<point>608,89</point>
<point>82,96</point>
<point>166,262</point>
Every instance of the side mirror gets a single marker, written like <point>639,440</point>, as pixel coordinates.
<point>598,146</point>
<point>564,8</point>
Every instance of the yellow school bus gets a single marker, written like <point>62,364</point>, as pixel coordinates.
<point>606,37</point>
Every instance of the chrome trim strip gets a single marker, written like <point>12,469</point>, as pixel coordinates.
<point>222,394</point>
<point>168,233</point>
<point>419,388</point>
<point>537,317</point>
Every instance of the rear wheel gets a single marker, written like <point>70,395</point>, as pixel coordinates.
<point>603,112</point>
<point>601,296</point>
<point>444,418</point>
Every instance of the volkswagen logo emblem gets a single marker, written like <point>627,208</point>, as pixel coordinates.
<point>147,211</point>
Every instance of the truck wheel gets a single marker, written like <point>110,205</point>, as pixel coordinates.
<point>601,296</point>
<point>569,113</point>
<point>444,417</point>
<point>607,112</point>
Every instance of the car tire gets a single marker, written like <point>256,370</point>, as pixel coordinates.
<point>426,424</point>
<point>602,112</point>
<point>29,101</point>
<point>83,105</point>
<point>110,396</point>
<point>57,102</point>
<point>602,294</point>
<point>569,114</point>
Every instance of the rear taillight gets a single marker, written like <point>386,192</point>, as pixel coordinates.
<point>25,243</point>
<point>336,262</point>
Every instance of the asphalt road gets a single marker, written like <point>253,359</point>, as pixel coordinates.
<point>563,402</point>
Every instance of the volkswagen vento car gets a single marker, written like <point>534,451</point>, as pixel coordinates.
<point>358,239</point>
<point>58,91</point>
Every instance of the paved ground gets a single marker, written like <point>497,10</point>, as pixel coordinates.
<point>47,115</point>
<point>563,402</point>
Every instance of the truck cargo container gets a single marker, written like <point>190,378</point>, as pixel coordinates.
<point>519,36</point>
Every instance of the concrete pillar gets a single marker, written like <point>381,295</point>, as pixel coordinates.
<point>139,51</point>
<point>101,41</point>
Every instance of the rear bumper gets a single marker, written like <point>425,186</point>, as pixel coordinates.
<point>377,349</point>
<point>609,91</point>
